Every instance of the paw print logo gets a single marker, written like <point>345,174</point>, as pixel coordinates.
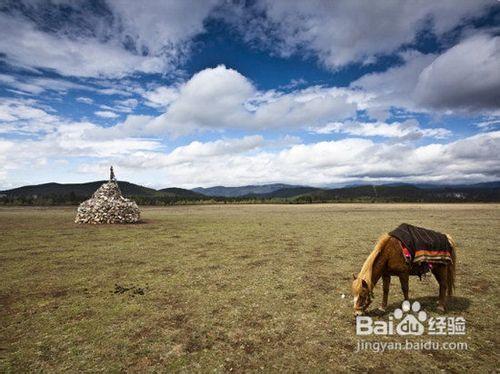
<point>410,324</point>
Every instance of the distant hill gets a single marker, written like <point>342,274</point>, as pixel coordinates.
<point>445,186</point>
<point>242,191</point>
<point>405,193</point>
<point>79,189</point>
<point>180,192</point>
<point>57,193</point>
<point>287,192</point>
<point>394,192</point>
<point>480,185</point>
<point>82,191</point>
<point>400,192</point>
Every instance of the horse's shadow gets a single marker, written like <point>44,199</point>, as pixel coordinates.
<point>427,303</point>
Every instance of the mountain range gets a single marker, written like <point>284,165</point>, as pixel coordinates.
<point>243,190</point>
<point>54,193</point>
<point>82,191</point>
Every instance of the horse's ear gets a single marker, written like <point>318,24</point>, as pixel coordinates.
<point>363,282</point>
<point>353,276</point>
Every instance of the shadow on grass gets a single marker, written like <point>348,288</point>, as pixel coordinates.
<point>455,303</point>
<point>428,303</point>
<point>118,224</point>
<point>142,221</point>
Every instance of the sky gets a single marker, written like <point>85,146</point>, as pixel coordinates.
<point>217,92</point>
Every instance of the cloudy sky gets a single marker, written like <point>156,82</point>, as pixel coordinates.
<point>217,92</point>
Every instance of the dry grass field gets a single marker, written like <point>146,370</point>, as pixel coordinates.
<point>239,288</point>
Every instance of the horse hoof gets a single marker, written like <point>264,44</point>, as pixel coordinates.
<point>441,309</point>
<point>381,310</point>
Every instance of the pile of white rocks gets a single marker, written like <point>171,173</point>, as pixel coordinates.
<point>107,205</point>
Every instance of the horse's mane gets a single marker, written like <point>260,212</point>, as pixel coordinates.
<point>366,271</point>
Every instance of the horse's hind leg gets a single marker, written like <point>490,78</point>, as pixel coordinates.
<point>386,282</point>
<point>441,276</point>
<point>404,278</point>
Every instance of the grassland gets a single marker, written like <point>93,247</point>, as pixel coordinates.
<point>228,288</point>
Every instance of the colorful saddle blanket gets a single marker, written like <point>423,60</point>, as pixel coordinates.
<point>423,245</point>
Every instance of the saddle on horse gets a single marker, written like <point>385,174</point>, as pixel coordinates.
<point>422,247</point>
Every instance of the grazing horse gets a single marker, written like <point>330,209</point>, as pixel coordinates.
<point>387,259</point>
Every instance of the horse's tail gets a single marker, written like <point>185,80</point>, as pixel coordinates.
<point>451,268</point>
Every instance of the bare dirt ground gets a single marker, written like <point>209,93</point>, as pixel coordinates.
<point>229,288</point>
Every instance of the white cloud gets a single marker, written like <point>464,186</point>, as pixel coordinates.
<point>106,114</point>
<point>136,38</point>
<point>61,141</point>
<point>26,46</point>
<point>251,159</point>
<point>11,81</point>
<point>212,98</point>
<point>342,32</point>
<point>221,147</point>
<point>237,162</point>
<point>37,85</point>
<point>408,129</point>
<point>132,127</point>
<point>155,26</point>
<point>71,139</point>
<point>15,110</point>
<point>161,97</point>
<point>121,38</point>
<point>462,79</point>
<point>394,87</point>
<point>113,91</point>
<point>57,136</point>
<point>126,106</point>
<point>194,151</point>
<point>85,100</point>
<point>128,103</point>
<point>466,76</point>
<point>489,123</point>
<point>221,98</point>
<point>25,116</point>
<point>6,148</point>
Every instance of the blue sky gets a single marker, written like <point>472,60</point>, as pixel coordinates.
<point>192,93</point>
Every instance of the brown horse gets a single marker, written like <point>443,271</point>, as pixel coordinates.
<point>387,259</point>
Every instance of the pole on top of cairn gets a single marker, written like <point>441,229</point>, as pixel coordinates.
<point>112,177</point>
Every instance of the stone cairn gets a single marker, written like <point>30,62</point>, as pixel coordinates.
<point>107,205</point>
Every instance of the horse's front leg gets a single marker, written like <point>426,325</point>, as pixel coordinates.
<point>386,282</point>
<point>404,278</point>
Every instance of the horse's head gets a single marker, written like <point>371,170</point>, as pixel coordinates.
<point>362,295</point>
